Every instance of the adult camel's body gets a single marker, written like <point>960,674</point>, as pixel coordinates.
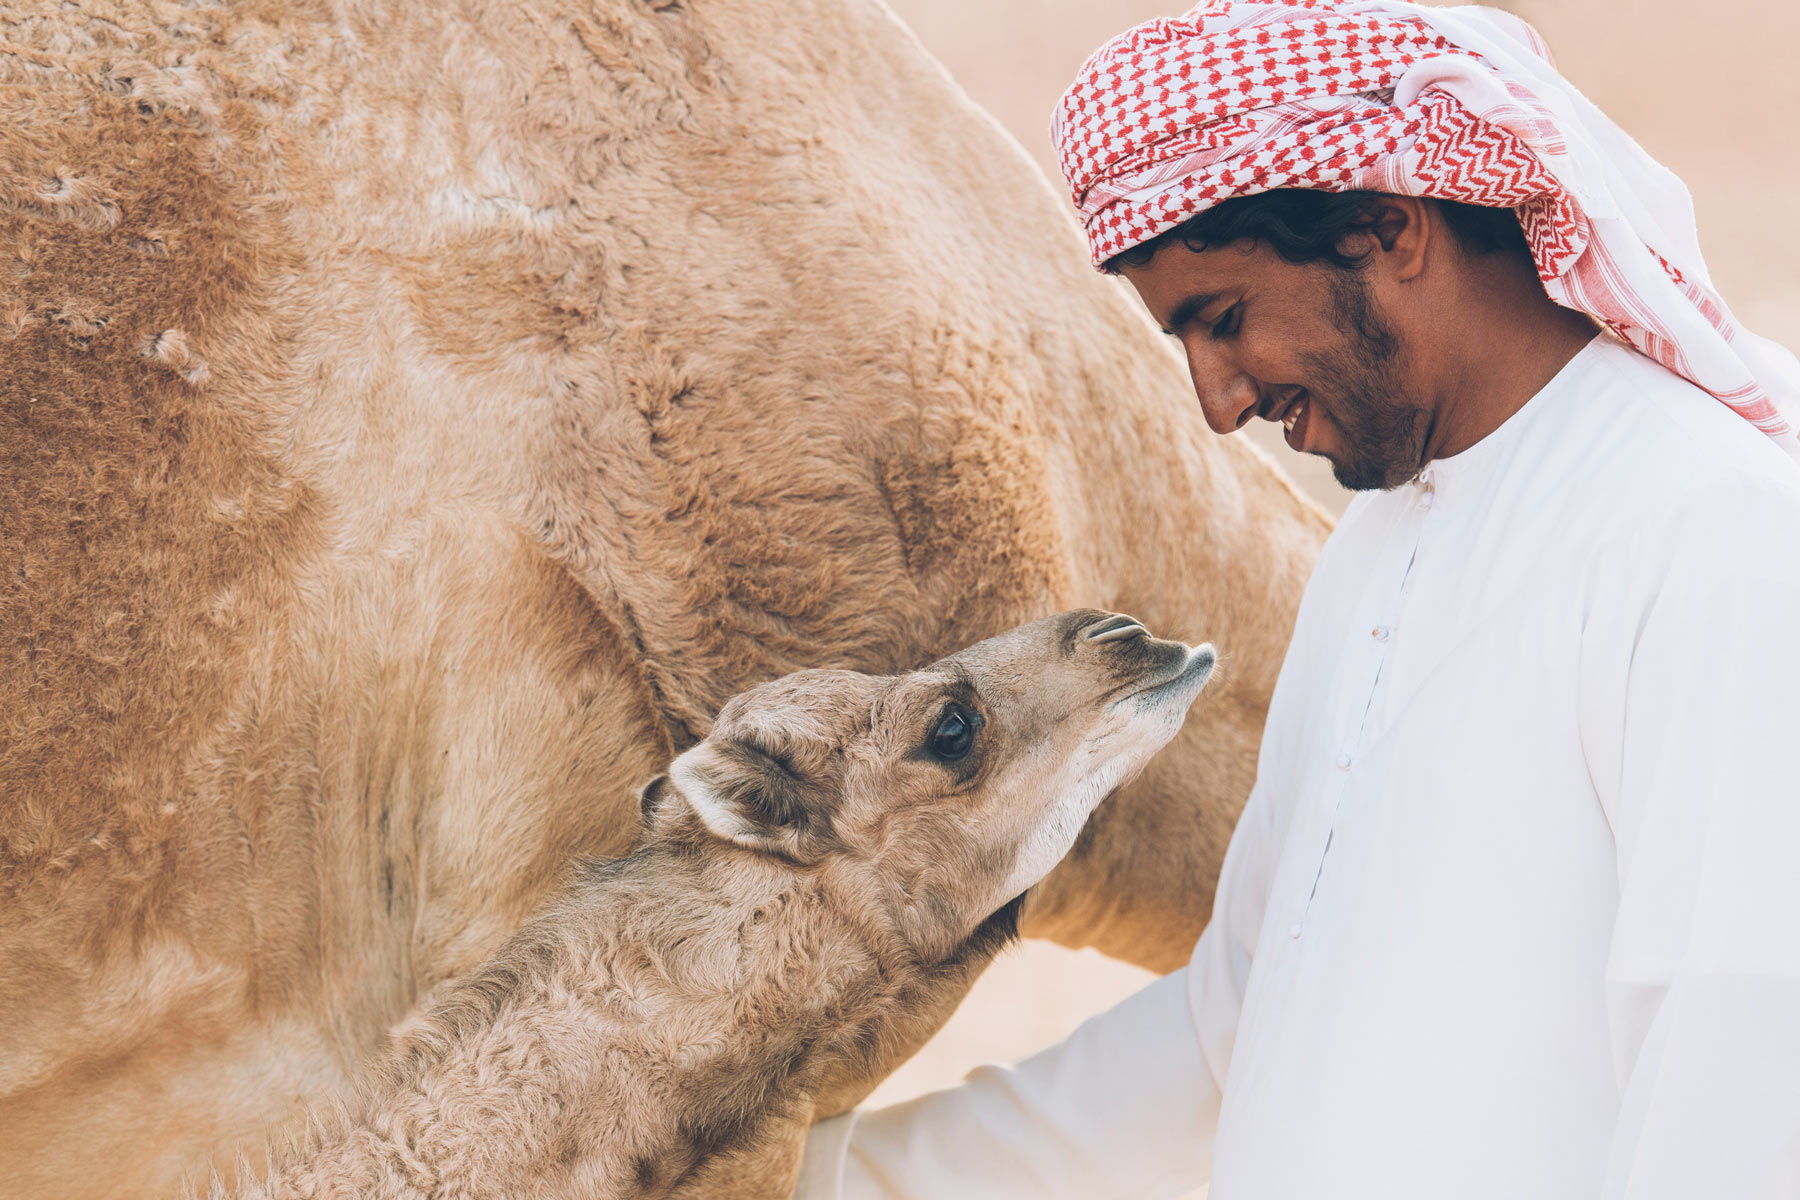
<point>419,419</point>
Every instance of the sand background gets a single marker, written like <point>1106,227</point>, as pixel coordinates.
<point>1707,89</point>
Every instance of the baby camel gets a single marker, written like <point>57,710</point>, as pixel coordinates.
<point>840,847</point>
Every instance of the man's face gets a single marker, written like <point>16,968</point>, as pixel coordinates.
<point>1307,346</point>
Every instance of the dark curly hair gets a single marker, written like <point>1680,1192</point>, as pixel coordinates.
<point>1304,225</point>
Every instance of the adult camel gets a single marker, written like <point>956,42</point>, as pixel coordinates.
<point>418,419</point>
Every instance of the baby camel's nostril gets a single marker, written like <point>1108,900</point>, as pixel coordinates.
<point>1115,628</point>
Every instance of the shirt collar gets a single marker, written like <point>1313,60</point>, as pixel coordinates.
<point>1446,480</point>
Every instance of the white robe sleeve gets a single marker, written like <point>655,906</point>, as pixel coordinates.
<point>1695,747</point>
<point>1124,1109</point>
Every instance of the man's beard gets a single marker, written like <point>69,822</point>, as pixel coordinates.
<point>1384,438</point>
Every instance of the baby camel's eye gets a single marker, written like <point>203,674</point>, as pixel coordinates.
<point>954,736</point>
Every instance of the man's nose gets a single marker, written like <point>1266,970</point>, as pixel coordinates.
<point>1228,397</point>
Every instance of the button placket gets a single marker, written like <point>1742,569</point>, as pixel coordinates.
<point>1380,639</point>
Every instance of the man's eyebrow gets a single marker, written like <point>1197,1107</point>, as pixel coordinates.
<point>1189,308</point>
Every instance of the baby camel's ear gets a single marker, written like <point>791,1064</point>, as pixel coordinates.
<point>651,797</point>
<point>749,796</point>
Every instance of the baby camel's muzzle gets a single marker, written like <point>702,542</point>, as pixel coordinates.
<point>1166,670</point>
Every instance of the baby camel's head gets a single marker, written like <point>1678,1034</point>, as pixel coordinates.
<point>941,795</point>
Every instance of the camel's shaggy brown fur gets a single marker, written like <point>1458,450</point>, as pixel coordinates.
<point>416,418</point>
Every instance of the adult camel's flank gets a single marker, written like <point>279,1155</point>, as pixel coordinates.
<point>418,420</point>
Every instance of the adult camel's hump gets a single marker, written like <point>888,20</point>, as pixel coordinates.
<point>418,420</point>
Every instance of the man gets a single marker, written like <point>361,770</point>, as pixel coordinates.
<point>1514,908</point>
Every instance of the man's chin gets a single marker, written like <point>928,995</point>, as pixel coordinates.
<point>1364,476</point>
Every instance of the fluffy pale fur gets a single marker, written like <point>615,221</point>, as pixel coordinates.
<point>418,418</point>
<point>812,871</point>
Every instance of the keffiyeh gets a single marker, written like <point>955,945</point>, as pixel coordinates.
<point>1178,114</point>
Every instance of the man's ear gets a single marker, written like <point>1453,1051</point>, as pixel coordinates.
<point>1402,226</point>
<point>749,796</point>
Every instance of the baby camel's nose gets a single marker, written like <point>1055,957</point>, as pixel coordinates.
<point>1114,628</point>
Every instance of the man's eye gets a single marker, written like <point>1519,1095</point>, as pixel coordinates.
<point>1227,325</point>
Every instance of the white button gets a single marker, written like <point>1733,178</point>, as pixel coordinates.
<point>1426,499</point>
<point>1343,762</point>
<point>1294,930</point>
<point>1380,633</point>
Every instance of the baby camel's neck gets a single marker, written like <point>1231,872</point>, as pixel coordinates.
<point>663,1021</point>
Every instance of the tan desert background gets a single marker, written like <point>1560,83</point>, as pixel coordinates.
<point>1707,89</point>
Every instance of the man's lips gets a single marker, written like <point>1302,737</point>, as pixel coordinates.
<point>1291,411</point>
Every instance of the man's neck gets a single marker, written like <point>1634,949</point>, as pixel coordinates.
<point>1512,341</point>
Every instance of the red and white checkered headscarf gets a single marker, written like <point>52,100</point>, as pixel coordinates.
<point>1178,114</point>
